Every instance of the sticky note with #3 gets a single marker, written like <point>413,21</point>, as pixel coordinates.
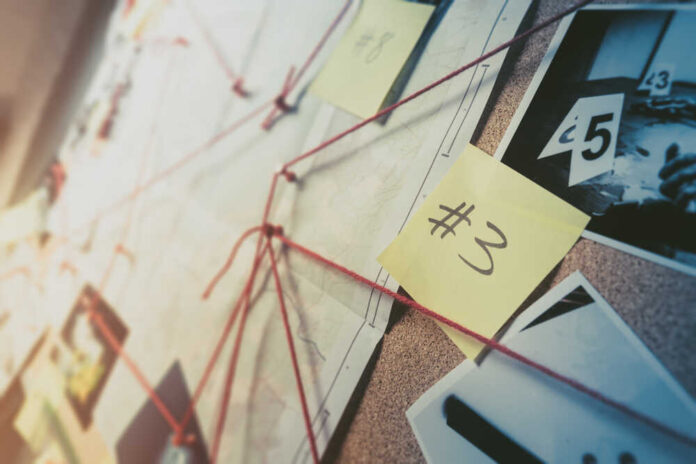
<point>480,243</point>
<point>369,57</point>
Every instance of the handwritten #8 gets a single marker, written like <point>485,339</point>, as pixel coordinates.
<point>455,216</point>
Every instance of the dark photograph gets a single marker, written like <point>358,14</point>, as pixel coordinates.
<point>612,129</point>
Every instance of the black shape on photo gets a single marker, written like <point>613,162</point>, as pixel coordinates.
<point>147,439</point>
<point>484,435</point>
<point>84,409</point>
<point>578,298</point>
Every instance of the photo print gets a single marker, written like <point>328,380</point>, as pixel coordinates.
<point>609,125</point>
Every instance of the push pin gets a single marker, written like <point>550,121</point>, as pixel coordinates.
<point>279,103</point>
<point>238,87</point>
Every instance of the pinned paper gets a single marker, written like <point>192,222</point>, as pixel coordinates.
<point>480,243</point>
<point>370,55</point>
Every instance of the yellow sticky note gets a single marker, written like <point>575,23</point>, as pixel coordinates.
<point>369,57</point>
<point>480,243</point>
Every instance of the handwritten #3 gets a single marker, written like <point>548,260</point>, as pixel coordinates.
<point>453,218</point>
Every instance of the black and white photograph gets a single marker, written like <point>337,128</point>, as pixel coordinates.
<point>609,125</point>
<point>474,414</point>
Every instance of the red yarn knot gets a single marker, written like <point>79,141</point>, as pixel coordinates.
<point>179,439</point>
<point>271,231</point>
<point>56,180</point>
<point>238,87</point>
<point>281,104</point>
<point>290,176</point>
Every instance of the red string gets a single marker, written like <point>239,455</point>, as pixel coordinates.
<point>496,345</point>
<point>279,102</point>
<point>135,370</point>
<point>231,370</point>
<point>145,155</point>
<point>292,83</point>
<point>293,357</point>
<point>228,325</point>
<point>185,159</point>
<point>432,85</point>
<point>217,53</point>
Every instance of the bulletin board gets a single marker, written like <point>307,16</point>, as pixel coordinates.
<point>658,303</point>
<point>143,273</point>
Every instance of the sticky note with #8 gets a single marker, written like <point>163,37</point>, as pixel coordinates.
<point>480,243</point>
<point>369,57</point>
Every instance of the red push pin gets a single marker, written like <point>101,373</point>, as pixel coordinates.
<point>280,104</point>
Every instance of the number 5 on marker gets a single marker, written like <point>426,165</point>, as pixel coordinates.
<point>589,132</point>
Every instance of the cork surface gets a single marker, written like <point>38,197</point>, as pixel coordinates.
<point>659,304</point>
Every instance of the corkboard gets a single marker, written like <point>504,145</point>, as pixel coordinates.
<point>657,303</point>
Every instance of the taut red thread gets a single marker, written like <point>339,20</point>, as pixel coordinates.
<point>245,296</point>
<point>293,357</point>
<point>497,346</point>
<point>432,85</point>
